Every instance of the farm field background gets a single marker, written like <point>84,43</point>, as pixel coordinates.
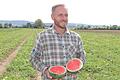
<point>102,54</point>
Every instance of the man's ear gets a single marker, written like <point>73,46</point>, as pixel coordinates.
<point>52,17</point>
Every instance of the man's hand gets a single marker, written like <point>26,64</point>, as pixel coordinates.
<point>48,75</point>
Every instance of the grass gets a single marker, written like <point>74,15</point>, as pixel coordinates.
<point>102,55</point>
<point>9,39</point>
<point>20,68</point>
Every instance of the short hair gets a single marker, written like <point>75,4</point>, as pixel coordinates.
<point>55,6</point>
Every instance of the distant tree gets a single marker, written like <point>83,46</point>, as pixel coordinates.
<point>89,26</point>
<point>108,27</point>
<point>16,26</point>
<point>114,27</point>
<point>28,25</point>
<point>39,24</point>
<point>10,25</point>
<point>118,27</point>
<point>1,26</point>
<point>24,26</point>
<point>6,25</point>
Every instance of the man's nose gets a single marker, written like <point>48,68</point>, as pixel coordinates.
<point>64,17</point>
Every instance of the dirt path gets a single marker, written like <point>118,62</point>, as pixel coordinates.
<point>7,61</point>
<point>11,57</point>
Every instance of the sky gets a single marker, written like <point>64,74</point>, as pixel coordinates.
<point>97,12</point>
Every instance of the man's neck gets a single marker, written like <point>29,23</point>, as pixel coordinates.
<point>61,31</point>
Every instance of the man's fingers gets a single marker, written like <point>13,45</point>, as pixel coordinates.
<point>54,79</point>
<point>48,75</point>
<point>74,76</point>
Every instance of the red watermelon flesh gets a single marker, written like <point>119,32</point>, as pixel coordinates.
<point>57,69</point>
<point>74,65</point>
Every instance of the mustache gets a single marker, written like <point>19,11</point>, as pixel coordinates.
<point>64,21</point>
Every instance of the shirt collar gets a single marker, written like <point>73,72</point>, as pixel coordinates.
<point>54,31</point>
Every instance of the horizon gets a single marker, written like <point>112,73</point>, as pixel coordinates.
<point>68,22</point>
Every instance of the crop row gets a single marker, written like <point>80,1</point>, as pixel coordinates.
<point>102,58</point>
<point>10,39</point>
<point>20,68</point>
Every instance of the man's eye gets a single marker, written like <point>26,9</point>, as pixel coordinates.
<point>60,14</point>
<point>66,15</point>
<point>63,15</point>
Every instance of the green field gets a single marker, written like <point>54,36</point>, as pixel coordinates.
<point>102,54</point>
<point>103,50</point>
<point>10,39</point>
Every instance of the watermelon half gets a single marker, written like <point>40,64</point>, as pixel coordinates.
<point>57,71</point>
<point>74,65</point>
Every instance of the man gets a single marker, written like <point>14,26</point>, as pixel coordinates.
<point>57,45</point>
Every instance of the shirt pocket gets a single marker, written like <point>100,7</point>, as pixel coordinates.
<point>71,50</point>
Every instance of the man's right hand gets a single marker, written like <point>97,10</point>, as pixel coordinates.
<point>48,75</point>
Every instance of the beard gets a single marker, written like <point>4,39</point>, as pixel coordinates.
<point>61,24</point>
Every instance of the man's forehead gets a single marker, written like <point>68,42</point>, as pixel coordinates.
<point>61,8</point>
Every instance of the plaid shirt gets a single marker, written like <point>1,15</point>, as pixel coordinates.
<point>53,49</point>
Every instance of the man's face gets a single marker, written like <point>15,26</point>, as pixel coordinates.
<point>60,17</point>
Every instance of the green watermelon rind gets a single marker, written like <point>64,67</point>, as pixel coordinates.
<point>74,71</point>
<point>57,76</point>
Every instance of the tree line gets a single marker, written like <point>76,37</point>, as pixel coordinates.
<point>37,24</point>
<point>95,27</point>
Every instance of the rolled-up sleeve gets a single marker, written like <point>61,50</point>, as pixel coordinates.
<point>36,58</point>
<point>81,52</point>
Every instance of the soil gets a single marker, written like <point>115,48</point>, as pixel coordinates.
<point>7,61</point>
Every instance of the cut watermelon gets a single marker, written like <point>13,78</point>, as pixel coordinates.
<point>74,65</point>
<point>57,71</point>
